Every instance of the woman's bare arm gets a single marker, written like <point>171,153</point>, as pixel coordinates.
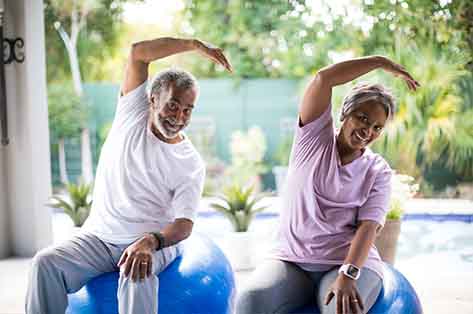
<point>318,93</point>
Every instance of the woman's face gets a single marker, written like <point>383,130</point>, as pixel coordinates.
<point>363,125</point>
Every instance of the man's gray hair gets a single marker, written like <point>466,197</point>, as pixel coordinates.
<point>178,77</point>
<point>364,92</point>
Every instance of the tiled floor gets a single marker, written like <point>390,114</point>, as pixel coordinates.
<point>13,277</point>
<point>448,292</point>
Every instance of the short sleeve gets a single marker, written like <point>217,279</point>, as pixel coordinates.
<point>377,205</point>
<point>133,106</point>
<point>312,138</point>
<point>317,127</point>
<point>187,195</point>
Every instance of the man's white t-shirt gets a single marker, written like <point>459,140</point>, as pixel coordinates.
<point>142,184</point>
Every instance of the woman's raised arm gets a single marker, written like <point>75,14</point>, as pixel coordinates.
<point>318,93</point>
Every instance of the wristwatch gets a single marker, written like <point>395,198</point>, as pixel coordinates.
<point>350,270</point>
<point>160,238</point>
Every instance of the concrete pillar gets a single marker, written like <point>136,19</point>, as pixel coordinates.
<point>25,183</point>
<point>4,217</point>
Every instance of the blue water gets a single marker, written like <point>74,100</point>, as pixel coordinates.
<point>426,237</point>
<point>434,238</point>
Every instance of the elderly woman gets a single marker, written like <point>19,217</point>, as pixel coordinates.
<point>335,203</point>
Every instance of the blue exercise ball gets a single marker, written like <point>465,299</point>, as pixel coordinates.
<point>396,297</point>
<point>199,281</point>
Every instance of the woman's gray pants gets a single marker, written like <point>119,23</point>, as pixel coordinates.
<point>63,269</point>
<point>281,287</point>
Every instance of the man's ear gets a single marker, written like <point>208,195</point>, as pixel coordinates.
<point>153,101</point>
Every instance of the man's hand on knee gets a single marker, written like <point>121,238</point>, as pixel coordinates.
<point>137,260</point>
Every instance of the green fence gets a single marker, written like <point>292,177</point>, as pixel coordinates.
<point>223,107</point>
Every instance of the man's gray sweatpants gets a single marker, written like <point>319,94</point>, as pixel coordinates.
<point>282,287</point>
<point>63,269</point>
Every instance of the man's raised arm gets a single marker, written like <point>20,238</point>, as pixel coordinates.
<point>144,52</point>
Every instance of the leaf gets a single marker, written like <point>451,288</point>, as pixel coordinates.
<point>78,208</point>
<point>240,203</point>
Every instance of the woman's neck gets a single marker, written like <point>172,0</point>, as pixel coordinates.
<point>345,153</point>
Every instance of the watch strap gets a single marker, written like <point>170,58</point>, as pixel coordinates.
<point>350,270</point>
<point>160,238</point>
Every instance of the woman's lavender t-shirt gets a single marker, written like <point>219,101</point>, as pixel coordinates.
<point>324,200</point>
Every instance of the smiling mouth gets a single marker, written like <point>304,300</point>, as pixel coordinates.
<point>171,126</point>
<point>360,138</point>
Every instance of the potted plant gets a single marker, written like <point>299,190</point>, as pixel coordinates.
<point>239,205</point>
<point>76,204</point>
<point>402,190</point>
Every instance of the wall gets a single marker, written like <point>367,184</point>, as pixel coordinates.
<point>26,180</point>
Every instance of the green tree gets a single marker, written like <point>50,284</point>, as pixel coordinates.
<point>276,38</point>
<point>431,125</point>
<point>448,24</point>
<point>66,118</point>
<point>97,37</point>
<point>70,19</point>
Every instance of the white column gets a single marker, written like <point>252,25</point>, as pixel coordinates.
<point>27,184</point>
<point>4,217</point>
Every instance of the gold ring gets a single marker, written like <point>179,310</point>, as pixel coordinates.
<point>355,300</point>
<point>144,263</point>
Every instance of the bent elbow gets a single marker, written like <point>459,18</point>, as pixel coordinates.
<point>188,231</point>
<point>136,52</point>
<point>185,227</point>
<point>321,77</point>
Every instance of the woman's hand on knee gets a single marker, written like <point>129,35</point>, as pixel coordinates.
<point>346,296</point>
<point>137,259</point>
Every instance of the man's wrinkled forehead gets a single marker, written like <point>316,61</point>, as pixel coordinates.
<point>184,96</point>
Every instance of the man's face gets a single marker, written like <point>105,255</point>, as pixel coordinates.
<point>362,126</point>
<point>172,110</point>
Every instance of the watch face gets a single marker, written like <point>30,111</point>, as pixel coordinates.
<point>353,271</point>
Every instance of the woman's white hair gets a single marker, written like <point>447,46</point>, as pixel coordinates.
<point>364,92</point>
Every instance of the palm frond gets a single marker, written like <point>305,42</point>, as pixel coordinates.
<point>239,205</point>
<point>79,205</point>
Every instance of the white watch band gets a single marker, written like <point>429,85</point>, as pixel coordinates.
<point>350,270</point>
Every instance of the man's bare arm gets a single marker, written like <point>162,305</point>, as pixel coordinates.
<point>137,259</point>
<point>144,52</point>
<point>174,233</point>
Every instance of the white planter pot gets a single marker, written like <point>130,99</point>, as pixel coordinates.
<point>237,246</point>
<point>280,174</point>
<point>63,228</point>
<point>66,234</point>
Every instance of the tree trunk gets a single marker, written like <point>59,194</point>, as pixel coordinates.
<point>70,42</point>
<point>75,70</point>
<point>86,157</point>
<point>62,162</point>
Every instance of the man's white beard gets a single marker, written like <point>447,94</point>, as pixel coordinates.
<point>162,129</point>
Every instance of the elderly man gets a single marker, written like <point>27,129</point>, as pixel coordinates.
<point>147,189</point>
